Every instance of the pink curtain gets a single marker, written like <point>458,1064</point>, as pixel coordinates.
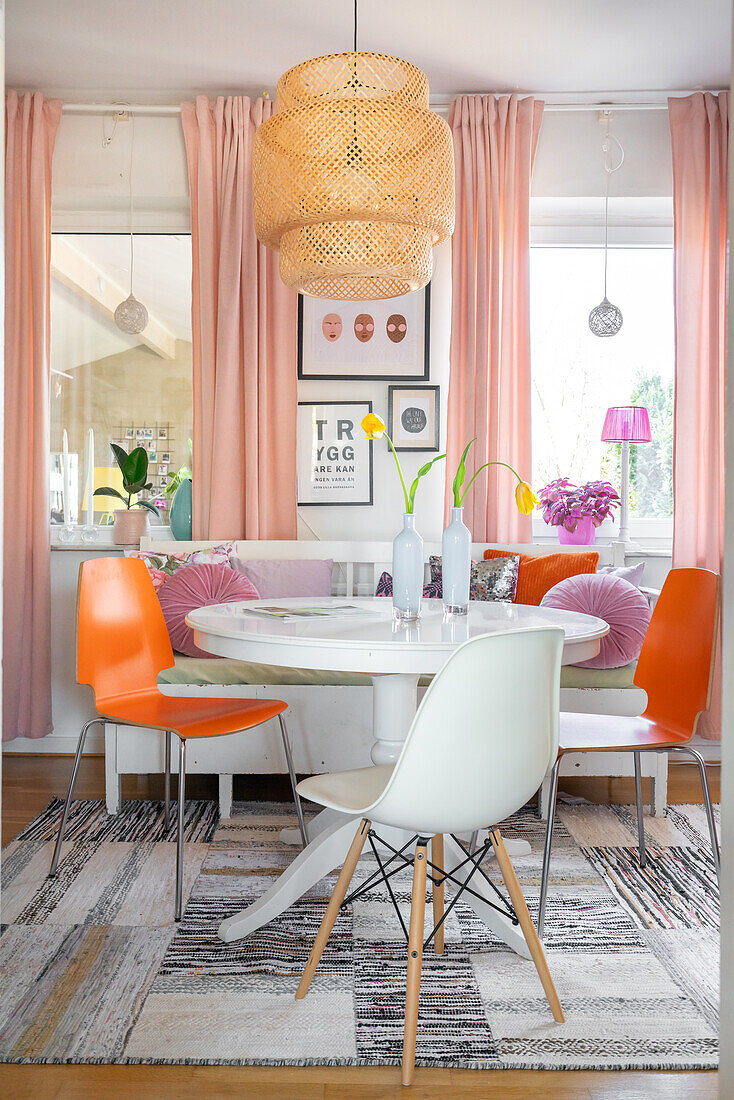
<point>244,336</point>
<point>699,129</point>
<point>489,386</point>
<point>31,125</point>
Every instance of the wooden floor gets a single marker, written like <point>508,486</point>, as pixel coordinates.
<point>29,782</point>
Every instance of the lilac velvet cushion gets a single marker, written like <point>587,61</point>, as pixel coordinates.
<point>286,578</point>
<point>199,586</point>
<point>613,599</point>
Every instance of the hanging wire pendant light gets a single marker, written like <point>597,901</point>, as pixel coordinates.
<point>606,318</point>
<point>354,177</point>
<point>131,316</point>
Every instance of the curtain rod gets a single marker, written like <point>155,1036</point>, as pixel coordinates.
<point>608,103</point>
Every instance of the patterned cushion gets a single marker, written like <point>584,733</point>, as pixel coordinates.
<point>161,566</point>
<point>384,588</point>
<point>488,580</point>
<point>539,572</point>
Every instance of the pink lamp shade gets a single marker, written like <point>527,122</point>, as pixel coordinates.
<point>626,423</point>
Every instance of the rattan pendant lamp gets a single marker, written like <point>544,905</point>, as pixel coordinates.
<point>354,177</point>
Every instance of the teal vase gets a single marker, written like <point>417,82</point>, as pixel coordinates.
<point>181,512</point>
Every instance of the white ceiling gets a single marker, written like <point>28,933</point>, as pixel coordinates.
<point>160,50</point>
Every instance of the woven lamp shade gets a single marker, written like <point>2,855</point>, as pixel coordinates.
<point>354,177</point>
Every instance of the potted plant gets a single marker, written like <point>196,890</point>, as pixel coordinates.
<point>129,524</point>
<point>456,542</point>
<point>577,510</point>
<point>407,547</point>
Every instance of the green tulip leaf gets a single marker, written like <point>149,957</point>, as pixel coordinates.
<point>461,474</point>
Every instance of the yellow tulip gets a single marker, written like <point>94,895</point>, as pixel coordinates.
<point>373,427</point>
<point>525,498</point>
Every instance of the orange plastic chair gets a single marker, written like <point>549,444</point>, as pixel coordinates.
<point>675,669</point>
<point>122,646</point>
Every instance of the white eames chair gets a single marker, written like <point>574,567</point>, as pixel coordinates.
<point>480,745</point>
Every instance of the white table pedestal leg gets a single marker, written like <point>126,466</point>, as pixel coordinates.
<point>321,856</point>
<point>394,702</point>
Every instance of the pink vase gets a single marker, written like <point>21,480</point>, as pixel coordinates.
<point>584,534</point>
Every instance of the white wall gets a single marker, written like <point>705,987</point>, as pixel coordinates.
<point>726,1025</point>
<point>569,160</point>
<point>383,519</point>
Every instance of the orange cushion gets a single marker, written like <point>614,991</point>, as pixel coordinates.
<point>539,572</point>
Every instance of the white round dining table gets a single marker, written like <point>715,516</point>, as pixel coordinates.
<point>361,635</point>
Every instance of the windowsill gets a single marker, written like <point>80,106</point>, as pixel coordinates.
<point>104,540</point>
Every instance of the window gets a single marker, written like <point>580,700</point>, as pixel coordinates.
<point>576,376</point>
<point>132,390</point>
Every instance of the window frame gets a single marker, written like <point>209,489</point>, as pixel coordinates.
<point>575,223</point>
<point>174,221</point>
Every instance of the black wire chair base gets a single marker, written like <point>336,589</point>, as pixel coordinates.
<point>437,875</point>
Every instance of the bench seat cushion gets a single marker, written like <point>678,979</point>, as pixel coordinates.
<point>224,670</point>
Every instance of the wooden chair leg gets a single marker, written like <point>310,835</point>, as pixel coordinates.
<point>415,960</point>
<point>332,909</point>
<point>438,891</point>
<point>531,936</point>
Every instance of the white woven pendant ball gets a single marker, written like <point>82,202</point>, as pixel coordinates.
<point>131,315</point>
<point>605,319</point>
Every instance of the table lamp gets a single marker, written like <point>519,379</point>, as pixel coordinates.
<point>626,424</point>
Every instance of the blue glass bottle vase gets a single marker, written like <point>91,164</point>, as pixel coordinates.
<point>456,564</point>
<point>407,571</point>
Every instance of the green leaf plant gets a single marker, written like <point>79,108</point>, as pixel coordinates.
<point>134,470</point>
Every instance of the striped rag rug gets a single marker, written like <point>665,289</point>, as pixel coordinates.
<point>94,969</point>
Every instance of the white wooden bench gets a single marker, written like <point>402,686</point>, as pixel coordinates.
<point>331,724</point>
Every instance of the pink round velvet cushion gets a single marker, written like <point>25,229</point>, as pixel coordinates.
<point>613,599</point>
<point>199,586</point>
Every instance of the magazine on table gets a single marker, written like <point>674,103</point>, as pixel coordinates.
<point>312,611</point>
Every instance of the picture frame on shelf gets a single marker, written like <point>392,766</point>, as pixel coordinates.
<point>334,457</point>
<point>387,340</point>
<point>414,417</point>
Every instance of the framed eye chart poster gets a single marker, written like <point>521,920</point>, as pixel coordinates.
<point>386,339</point>
<point>334,457</point>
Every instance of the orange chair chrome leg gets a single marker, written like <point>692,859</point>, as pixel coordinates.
<point>167,782</point>
<point>181,816</point>
<point>70,792</point>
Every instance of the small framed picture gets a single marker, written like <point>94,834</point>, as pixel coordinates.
<point>161,503</point>
<point>152,456</point>
<point>151,444</point>
<point>413,417</point>
<point>163,433</point>
<point>164,481</point>
<point>165,456</point>
<point>147,433</point>
<point>162,469</point>
<point>140,433</point>
<point>129,433</point>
